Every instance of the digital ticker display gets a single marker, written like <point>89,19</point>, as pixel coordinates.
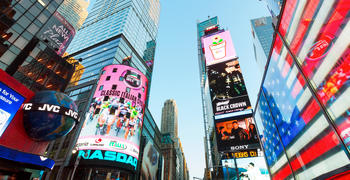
<point>115,116</point>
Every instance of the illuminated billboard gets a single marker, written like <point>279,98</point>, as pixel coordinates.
<point>248,168</point>
<point>58,32</point>
<point>218,47</point>
<point>150,163</point>
<point>114,119</point>
<point>10,102</point>
<point>236,134</point>
<point>227,89</point>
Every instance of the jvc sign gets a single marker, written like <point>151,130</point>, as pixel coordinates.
<point>51,108</point>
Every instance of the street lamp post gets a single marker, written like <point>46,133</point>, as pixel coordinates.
<point>228,174</point>
<point>76,163</point>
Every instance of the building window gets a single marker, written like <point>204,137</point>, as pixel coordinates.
<point>114,86</point>
<point>101,87</point>
<point>127,89</point>
<point>121,78</point>
<point>108,78</point>
<point>114,69</point>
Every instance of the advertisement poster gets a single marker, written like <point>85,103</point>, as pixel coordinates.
<point>150,163</point>
<point>236,134</point>
<point>227,89</point>
<point>218,48</point>
<point>248,168</point>
<point>115,116</point>
<point>58,32</point>
<point>10,102</point>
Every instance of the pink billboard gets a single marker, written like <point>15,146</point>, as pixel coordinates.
<point>218,48</point>
<point>114,119</point>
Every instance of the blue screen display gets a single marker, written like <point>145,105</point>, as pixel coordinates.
<point>10,102</point>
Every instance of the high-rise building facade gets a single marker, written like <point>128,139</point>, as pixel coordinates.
<point>115,32</point>
<point>274,6</point>
<point>302,110</point>
<point>169,127</point>
<point>169,122</point>
<point>231,135</point>
<point>262,32</point>
<point>74,11</point>
<point>26,52</point>
<point>211,152</point>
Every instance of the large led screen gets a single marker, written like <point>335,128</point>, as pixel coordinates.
<point>150,163</point>
<point>58,32</point>
<point>248,168</point>
<point>227,89</point>
<point>114,119</point>
<point>10,102</point>
<point>218,47</point>
<point>236,134</point>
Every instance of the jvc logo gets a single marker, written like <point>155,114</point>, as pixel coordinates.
<point>50,108</point>
<point>71,113</point>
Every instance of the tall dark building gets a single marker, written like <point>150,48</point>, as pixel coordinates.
<point>26,50</point>
<point>302,110</point>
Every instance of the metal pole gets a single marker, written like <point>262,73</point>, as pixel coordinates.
<point>75,166</point>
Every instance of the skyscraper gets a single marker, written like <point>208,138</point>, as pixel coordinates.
<point>302,110</point>
<point>231,136</point>
<point>26,52</point>
<point>262,31</point>
<point>74,11</point>
<point>274,6</point>
<point>169,122</point>
<point>207,26</point>
<point>114,32</point>
<point>169,129</point>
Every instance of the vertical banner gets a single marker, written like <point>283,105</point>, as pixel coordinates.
<point>59,33</point>
<point>114,120</point>
<point>150,163</point>
<point>218,48</point>
<point>227,89</point>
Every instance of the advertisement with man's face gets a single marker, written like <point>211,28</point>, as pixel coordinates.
<point>218,48</point>
<point>58,32</point>
<point>227,89</point>
<point>115,116</point>
<point>150,163</point>
<point>236,134</point>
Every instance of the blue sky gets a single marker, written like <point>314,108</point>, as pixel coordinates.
<point>176,73</point>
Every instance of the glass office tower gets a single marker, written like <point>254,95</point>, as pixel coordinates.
<point>262,31</point>
<point>303,107</point>
<point>114,32</point>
